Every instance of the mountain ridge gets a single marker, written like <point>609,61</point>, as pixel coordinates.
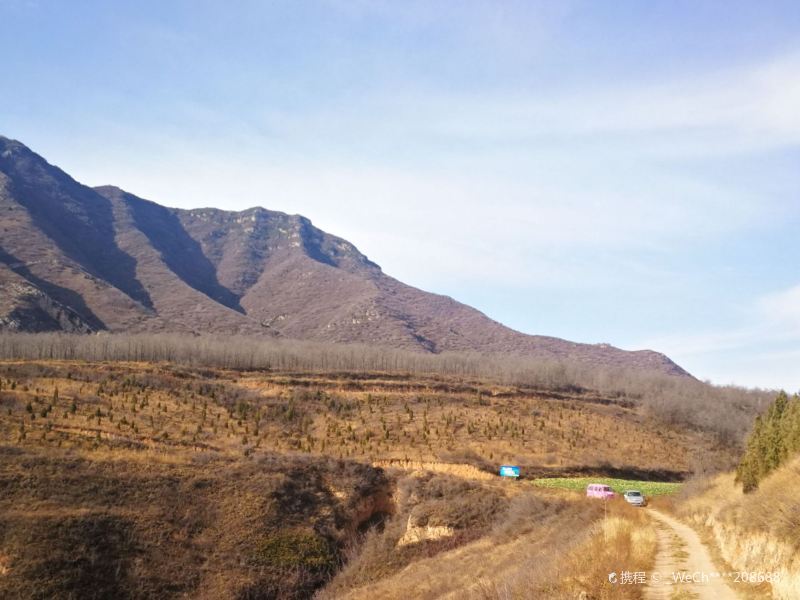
<point>105,259</point>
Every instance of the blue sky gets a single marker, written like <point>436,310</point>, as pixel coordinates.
<point>622,172</point>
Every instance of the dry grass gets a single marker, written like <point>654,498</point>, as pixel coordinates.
<point>457,469</point>
<point>213,483</point>
<point>544,545</point>
<point>527,540</point>
<point>757,532</point>
<point>434,514</point>
<point>626,541</point>
<point>174,410</point>
<point>75,527</point>
<point>574,560</point>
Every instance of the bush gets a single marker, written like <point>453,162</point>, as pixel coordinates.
<point>450,502</point>
<point>296,549</point>
<point>526,512</point>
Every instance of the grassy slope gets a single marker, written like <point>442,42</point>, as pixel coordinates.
<point>370,418</point>
<point>141,525</point>
<point>546,545</point>
<point>757,532</point>
<point>144,478</point>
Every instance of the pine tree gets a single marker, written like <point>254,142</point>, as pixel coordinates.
<point>791,427</point>
<point>775,437</point>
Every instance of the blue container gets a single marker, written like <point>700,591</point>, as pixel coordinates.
<point>509,471</point>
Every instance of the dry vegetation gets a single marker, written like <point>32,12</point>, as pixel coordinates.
<point>375,417</point>
<point>139,479</point>
<point>676,400</point>
<point>111,524</point>
<point>530,543</point>
<point>757,532</point>
<point>749,517</point>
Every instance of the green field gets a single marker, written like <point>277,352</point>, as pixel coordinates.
<point>578,484</point>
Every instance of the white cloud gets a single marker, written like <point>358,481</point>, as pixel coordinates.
<point>764,351</point>
<point>772,319</point>
<point>782,310</point>
<point>737,110</point>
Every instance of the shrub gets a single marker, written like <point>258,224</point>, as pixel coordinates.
<point>452,502</point>
<point>296,549</point>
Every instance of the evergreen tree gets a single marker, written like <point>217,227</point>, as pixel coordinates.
<point>775,438</point>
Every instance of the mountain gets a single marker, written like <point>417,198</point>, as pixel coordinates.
<point>81,259</point>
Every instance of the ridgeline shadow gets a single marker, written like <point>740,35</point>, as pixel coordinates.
<point>181,253</point>
<point>76,218</point>
<point>65,296</point>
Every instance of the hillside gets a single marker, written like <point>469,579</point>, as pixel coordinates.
<point>368,417</point>
<point>117,525</point>
<point>78,259</point>
<point>158,480</point>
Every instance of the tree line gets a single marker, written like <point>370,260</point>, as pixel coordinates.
<point>774,439</point>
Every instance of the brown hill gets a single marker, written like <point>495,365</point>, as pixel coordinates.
<point>141,480</point>
<point>74,258</point>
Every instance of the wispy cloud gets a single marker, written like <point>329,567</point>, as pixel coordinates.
<point>759,350</point>
<point>782,310</point>
<point>740,109</point>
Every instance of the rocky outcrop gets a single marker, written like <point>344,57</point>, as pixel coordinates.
<point>27,308</point>
<point>416,533</point>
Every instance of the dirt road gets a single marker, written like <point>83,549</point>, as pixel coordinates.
<point>680,551</point>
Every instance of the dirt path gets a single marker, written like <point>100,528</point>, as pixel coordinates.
<point>681,551</point>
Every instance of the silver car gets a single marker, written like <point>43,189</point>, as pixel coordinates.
<point>635,497</point>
